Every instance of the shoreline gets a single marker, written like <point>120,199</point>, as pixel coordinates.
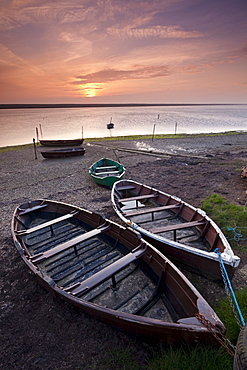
<point>134,137</point>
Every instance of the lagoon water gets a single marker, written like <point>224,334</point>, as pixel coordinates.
<point>19,126</point>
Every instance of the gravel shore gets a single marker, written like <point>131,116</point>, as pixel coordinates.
<point>39,332</point>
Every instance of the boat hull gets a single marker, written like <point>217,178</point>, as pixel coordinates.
<point>62,153</point>
<point>68,142</point>
<point>183,233</point>
<point>111,273</point>
<point>105,172</point>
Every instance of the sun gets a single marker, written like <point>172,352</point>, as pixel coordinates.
<point>90,90</point>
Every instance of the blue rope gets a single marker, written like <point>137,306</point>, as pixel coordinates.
<point>230,286</point>
<point>237,235</point>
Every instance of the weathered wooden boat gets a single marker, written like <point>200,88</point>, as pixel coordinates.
<point>185,234</point>
<point>106,171</point>
<point>110,272</point>
<point>65,142</point>
<point>60,153</point>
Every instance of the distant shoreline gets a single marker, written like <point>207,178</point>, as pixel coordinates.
<point>25,106</point>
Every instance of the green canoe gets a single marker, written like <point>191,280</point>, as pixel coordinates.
<point>106,171</point>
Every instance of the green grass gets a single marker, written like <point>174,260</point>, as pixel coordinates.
<point>197,358</point>
<point>159,136</point>
<point>169,358</point>
<point>225,313</point>
<point>231,218</point>
<point>14,147</point>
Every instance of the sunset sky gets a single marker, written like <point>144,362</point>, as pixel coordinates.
<point>123,51</point>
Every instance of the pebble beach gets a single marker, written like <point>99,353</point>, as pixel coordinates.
<point>188,167</point>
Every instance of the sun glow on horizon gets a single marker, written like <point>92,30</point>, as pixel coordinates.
<point>89,90</point>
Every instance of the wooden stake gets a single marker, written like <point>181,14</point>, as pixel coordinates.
<point>153,133</point>
<point>41,133</point>
<point>35,151</point>
<point>37,134</point>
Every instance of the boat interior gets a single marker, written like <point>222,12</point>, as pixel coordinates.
<point>164,216</point>
<point>102,265</point>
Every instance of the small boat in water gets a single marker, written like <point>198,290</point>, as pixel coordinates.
<point>106,171</point>
<point>65,142</point>
<point>185,234</point>
<point>60,153</point>
<point>110,272</point>
<point>110,125</point>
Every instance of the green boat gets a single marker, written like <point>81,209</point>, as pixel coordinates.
<point>106,171</point>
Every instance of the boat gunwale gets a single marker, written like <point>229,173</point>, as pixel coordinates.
<point>228,255</point>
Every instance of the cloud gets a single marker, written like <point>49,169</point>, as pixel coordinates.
<point>7,57</point>
<point>111,74</point>
<point>156,31</point>
<point>11,18</point>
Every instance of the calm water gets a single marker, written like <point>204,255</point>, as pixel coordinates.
<point>18,126</point>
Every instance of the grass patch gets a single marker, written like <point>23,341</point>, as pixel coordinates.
<point>159,136</point>
<point>120,358</point>
<point>231,218</point>
<point>195,358</point>
<point>14,147</point>
<point>225,313</point>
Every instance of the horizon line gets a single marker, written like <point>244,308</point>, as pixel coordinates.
<point>97,105</point>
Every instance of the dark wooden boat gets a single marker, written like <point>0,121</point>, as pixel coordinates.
<point>111,273</point>
<point>106,171</point>
<point>65,142</point>
<point>60,153</point>
<point>185,234</point>
<point>110,125</point>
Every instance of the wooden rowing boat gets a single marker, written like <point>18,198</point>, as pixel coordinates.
<point>108,271</point>
<point>60,153</point>
<point>65,142</point>
<point>185,234</point>
<point>106,171</point>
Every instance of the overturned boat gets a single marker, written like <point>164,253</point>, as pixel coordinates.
<point>185,234</point>
<point>111,273</point>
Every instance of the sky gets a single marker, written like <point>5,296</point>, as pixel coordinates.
<point>123,51</point>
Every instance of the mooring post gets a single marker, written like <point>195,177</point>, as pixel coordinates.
<point>176,125</point>
<point>153,133</point>
<point>35,151</point>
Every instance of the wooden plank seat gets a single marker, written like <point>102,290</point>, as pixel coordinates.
<point>145,210</point>
<point>138,197</point>
<point>70,243</point>
<point>31,209</point>
<point>106,272</point>
<point>47,224</point>
<point>105,168</point>
<point>175,227</point>
<point>106,173</point>
<point>125,187</point>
